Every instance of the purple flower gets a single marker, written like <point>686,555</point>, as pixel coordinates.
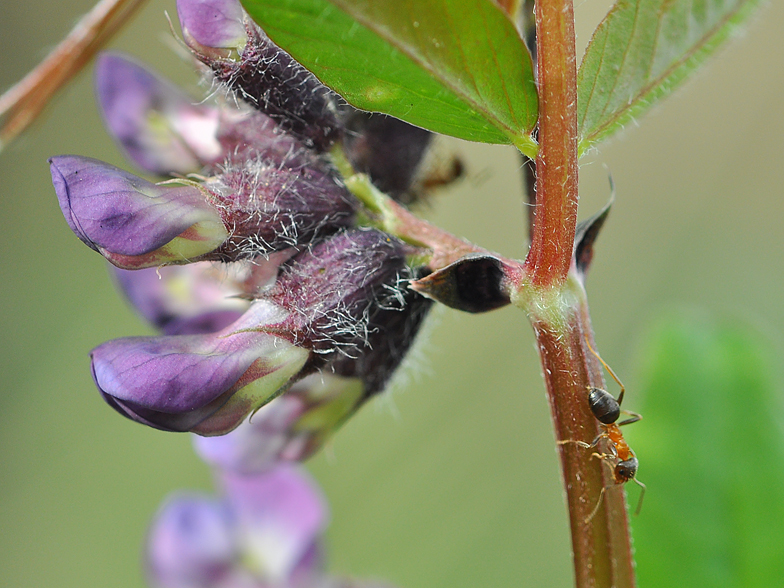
<point>264,532</point>
<point>165,133</point>
<point>160,128</point>
<point>130,221</point>
<point>205,383</point>
<point>241,56</point>
<point>290,428</point>
<point>201,297</point>
<point>317,313</point>
<point>210,25</point>
<point>256,208</point>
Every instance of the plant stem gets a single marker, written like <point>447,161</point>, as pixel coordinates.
<point>553,295</point>
<point>556,164</point>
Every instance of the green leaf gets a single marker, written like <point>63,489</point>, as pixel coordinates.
<point>641,51</point>
<point>711,450</point>
<point>456,67</point>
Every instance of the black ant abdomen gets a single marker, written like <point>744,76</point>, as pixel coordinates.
<point>604,406</point>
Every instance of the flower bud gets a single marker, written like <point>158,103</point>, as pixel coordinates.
<point>157,124</point>
<point>317,311</point>
<point>257,208</point>
<point>269,205</point>
<point>332,289</point>
<point>130,221</point>
<point>258,71</point>
<point>297,424</point>
<point>387,149</point>
<point>203,383</point>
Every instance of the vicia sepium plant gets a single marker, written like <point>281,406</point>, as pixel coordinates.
<point>282,208</point>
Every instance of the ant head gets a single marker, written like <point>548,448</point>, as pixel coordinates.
<point>625,470</point>
<point>603,406</point>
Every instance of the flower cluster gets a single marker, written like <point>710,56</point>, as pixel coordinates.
<point>281,309</point>
<point>250,259</point>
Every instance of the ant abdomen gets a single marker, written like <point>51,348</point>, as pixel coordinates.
<point>604,406</point>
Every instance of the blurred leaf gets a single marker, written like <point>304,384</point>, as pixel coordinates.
<point>641,51</point>
<point>456,67</point>
<point>711,451</point>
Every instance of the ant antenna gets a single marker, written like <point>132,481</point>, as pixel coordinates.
<point>637,510</point>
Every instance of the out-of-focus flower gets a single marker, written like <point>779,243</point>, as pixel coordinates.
<point>185,299</point>
<point>241,56</point>
<point>318,310</point>
<point>263,532</point>
<point>290,428</point>
<point>255,208</point>
<point>160,128</point>
<point>163,132</point>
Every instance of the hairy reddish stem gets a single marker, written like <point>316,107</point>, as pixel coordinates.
<point>556,164</point>
<point>601,545</point>
<point>555,300</point>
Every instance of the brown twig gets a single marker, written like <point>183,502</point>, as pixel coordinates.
<point>23,102</point>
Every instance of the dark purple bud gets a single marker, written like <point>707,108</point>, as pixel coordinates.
<point>258,71</point>
<point>290,428</point>
<point>192,542</point>
<point>244,133</point>
<point>269,205</point>
<point>203,383</point>
<point>159,126</point>
<point>332,289</point>
<point>392,330</point>
<point>389,150</point>
<point>130,221</point>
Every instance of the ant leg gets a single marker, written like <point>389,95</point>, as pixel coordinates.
<point>642,494</point>
<point>633,418</point>
<point>580,443</point>
<point>583,444</point>
<point>609,371</point>
<point>589,518</point>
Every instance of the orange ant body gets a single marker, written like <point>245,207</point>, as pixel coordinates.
<point>607,410</point>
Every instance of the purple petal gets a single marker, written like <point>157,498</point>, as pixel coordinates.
<point>212,23</point>
<point>186,299</point>
<point>281,514</point>
<point>290,428</point>
<point>256,445</point>
<point>205,383</point>
<point>156,123</point>
<point>192,542</point>
<point>118,213</point>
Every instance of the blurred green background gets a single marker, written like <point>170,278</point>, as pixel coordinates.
<point>452,480</point>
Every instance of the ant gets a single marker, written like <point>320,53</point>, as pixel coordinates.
<point>607,410</point>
